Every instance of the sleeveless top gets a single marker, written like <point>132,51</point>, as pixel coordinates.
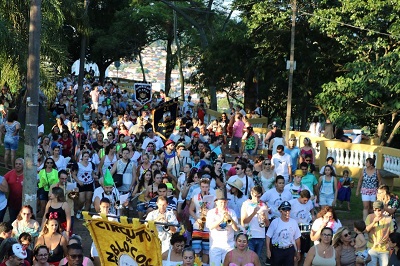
<point>320,261</point>
<point>85,173</point>
<point>327,187</point>
<point>309,152</point>
<point>62,217</point>
<point>64,261</point>
<point>348,257</point>
<point>56,254</point>
<point>168,262</point>
<point>369,184</point>
<point>250,143</point>
<point>10,129</point>
<point>247,264</point>
<point>109,163</point>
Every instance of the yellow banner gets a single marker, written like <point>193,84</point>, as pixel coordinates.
<point>125,243</point>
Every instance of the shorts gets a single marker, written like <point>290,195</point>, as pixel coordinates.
<point>141,206</point>
<point>11,143</point>
<point>326,199</point>
<point>86,188</point>
<point>371,198</point>
<point>43,194</point>
<point>95,105</point>
<point>201,241</point>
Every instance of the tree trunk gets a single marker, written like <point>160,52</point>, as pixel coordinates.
<point>141,65</point>
<point>250,87</point>
<point>392,134</point>
<point>102,69</point>
<point>169,61</point>
<point>32,110</point>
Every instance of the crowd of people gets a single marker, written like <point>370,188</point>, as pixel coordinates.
<point>233,210</point>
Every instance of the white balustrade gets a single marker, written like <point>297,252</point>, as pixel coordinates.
<point>346,157</point>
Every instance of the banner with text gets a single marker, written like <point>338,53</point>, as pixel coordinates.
<point>125,243</point>
<point>143,92</point>
<point>164,118</point>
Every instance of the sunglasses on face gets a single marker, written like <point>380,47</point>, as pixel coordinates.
<point>237,168</point>
<point>347,234</point>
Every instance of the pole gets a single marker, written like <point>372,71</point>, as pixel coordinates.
<point>32,109</point>
<point>82,62</point>
<point>291,70</point>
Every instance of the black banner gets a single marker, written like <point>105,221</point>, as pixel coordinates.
<point>164,118</point>
<point>143,92</point>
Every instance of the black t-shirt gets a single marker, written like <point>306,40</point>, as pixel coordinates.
<point>96,146</point>
<point>60,108</point>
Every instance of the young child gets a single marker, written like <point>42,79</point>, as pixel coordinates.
<point>360,244</point>
<point>344,192</point>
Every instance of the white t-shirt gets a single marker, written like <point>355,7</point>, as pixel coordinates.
<point>296,189</point>
<point>156,140</point>
<point>283,233</point>
<point>301,212</point>
<point>254,230</point>
<point>274,199</point>
<point>281,165</point>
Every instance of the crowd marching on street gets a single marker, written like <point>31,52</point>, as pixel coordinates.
<point>221,202</point>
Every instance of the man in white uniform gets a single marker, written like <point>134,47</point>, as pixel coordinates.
<point>222,223</point>
<point>283,238</point>
<point>275,196</point>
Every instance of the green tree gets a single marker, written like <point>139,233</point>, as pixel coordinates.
<point>366,92</point>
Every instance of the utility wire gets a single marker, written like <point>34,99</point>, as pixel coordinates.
<point>349,25</point>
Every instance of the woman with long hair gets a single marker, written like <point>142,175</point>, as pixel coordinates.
<point>144,165</point>
<point>59,207</point>
<point>344,247</point>
<point>140,192</point>
<point>125,167</point>
<point>10,130</point>
<point>218,174</point>
<point>45,145</point>
<point>66,142</point>
<point>83,174</point>
<point>327,187</point>
<point>251,141</point>
<point>47,176</point>
<point>307,149</point>
<point>325,218</point>
<point>60,161</point>
<point>25,222</point>
<point>152,189</point>
<point>266,176</point>
<point>53,240</point>
<point>108,160</point>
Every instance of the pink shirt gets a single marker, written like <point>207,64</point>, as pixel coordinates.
<point>238,127</point>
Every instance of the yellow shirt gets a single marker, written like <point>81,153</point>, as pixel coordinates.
<point>378,236</point>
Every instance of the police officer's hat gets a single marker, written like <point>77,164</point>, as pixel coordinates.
<point>285,206</point>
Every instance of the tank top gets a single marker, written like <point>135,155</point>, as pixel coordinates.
<point>277,141</point>
<point>168,262</point>
<point>347,257</point>
<point>56,254</point>
<point>327,187</point>
<point>85,173</point>
<point>320,261</point>
<point>369,184</point>
<point>10,129</point>
<point>303,153</point>
<point>61,216</point>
